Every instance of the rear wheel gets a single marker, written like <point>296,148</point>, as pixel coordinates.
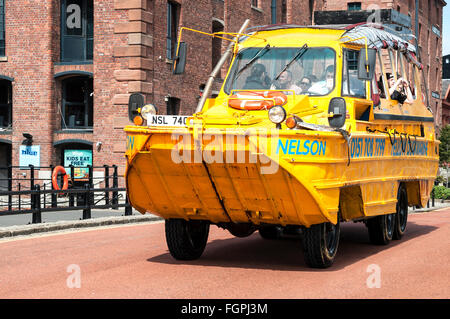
<point>401,215</point>
<point>186,240</point>
<point>320,244</point>
<point>381,229</point>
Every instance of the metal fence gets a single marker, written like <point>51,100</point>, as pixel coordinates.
<point>35,195</point>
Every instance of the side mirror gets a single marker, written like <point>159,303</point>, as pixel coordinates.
<point>180,60</point>
<point>338,108</point>
<point>366,64</point>
<point>135,102</point>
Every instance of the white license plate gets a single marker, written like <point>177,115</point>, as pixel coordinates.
<point>167,120</point>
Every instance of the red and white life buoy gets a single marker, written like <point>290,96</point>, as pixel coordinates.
<point>60,170</point>
<point>256,100</point>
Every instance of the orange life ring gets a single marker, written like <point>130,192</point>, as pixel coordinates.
<point>256,100</point>
<point>56,171</point>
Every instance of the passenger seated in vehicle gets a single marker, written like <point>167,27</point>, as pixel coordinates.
<point>305,83</point>
<point>381,87</point>
<point>399,90</point>
<point>258,79</point>
<point>325,86</point>
<point>284,82</point>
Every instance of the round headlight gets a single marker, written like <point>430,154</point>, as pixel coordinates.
<point>148,110</point>
<point>277,114</point>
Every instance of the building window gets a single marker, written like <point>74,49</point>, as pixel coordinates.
<point>2,27</point>
<point>173,106</point>
<point>353,6</point>
<point>352,85</point>
<point>173,15</point>
<point>77,30</point>
<point>255,3</point>
<point>77,102</point>
<point>5,103</point>
<point>283,11</point>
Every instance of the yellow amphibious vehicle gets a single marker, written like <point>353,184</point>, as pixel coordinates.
<point>313,126</point>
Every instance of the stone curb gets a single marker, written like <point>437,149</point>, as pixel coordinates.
<point>22,230</point>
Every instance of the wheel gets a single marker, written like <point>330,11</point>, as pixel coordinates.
<point>381,229</point>
<point>186,240</point>
<point>401,214</point>
<point>270,232</point>
<point>320,244</point>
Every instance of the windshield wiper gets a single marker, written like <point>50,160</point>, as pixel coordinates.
<point>299,54</point>
<point>256,56</point>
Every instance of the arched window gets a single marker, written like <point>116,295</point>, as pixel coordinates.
<point>216,50</point>
<point>5,103</point>
<point>77,102</point>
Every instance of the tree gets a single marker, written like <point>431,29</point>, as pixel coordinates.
<point>444,147</point>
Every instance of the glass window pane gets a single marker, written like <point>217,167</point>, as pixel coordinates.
<point>351,85</point>
<point>73,17</point>
<point>316,66</point>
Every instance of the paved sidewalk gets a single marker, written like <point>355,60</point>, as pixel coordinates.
<point>438,204</point>
<point>71,220</point>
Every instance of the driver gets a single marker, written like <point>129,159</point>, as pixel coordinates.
<point>258,79</point>
<point>284,82</point>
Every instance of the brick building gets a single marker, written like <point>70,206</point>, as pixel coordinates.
<point>401,15</point>
<point>67,67</point>
<point>445,93</point>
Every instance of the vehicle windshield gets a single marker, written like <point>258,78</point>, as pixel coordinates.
<point>311,73</point>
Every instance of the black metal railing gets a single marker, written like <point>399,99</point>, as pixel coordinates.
<point>34,195</point>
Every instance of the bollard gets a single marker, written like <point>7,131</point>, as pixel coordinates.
<point>128,208</point>
<point>106,184</point>
<point>36,205</point>
<point>87,202</point>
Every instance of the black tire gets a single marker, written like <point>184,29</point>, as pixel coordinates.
<point>401,214</point>
<point>186,240</point>
<point>270,232</point>
<point>320,244</point>
<point>381,229</point>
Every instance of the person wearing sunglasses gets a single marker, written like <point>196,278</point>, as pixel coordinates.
<point>305,83</point>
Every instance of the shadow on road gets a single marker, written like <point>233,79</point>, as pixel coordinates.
<point>255,252</point>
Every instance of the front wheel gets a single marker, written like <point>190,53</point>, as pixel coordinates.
<point>320,244</point>
<point>186,240</point>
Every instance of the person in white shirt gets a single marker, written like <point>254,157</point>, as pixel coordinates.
<point>325,86</point>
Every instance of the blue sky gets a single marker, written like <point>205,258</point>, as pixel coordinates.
<point>446,30</point>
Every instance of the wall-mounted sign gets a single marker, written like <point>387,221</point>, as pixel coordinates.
<point>436,30</point>
<point>80,159</point>
<point>30,155</point>
<point>435,94</point>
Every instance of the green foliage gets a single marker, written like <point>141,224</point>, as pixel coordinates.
<point>441,192</point>
<point>439,179</point>
<point>444,147</point>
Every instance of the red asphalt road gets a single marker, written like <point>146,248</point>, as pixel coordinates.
<point>133,262</point>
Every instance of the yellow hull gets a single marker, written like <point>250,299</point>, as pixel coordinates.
<point>282,177</point>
